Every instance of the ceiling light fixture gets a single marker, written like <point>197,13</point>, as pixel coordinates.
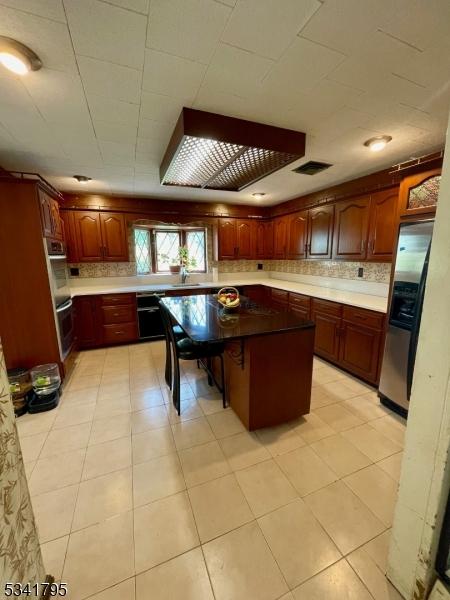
<point>216,152</point>
<point>82,179</point>
<point>258,195</point>
<point>378,143</point>
<point>17,57</point>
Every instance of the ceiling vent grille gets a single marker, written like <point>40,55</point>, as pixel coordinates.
<point>312,168</point>
<point>216,152</point>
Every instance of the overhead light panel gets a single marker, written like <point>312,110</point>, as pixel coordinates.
<point>378,143</point>
<point>216,152</point>
<point>82,179</point>
<point>17,57</point>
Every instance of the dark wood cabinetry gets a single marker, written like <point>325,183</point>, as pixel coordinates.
<point>297,230</point>
<point>351,229</point>
<point>98,236</point>
<point>257,293</point>
<point>419,193</point>
<point>348,336</point>
<point>263,239</point>
<point>244,239</point>
<point>50,217</point>
<point>383,225</point>
<point>279,237</point>
<point>320,232</point>
<point>236,239</point>
<point>279,299</point>
<point>227,239</point>
<point>87,331</point>
<point>300,304</point>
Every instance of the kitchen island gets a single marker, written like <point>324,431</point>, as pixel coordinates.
<point>268,355</point>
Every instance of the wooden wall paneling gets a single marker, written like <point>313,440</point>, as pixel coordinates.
<point>320,232</point>
<point>351,229</point>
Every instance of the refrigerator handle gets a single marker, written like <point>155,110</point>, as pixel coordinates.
<point>416,326</point>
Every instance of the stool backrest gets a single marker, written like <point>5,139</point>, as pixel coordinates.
<point>167,323</point>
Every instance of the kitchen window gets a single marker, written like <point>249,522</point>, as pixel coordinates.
<point>157,248</point>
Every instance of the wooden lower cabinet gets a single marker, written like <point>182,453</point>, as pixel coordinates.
<point>257,293</point>
<point>359,350</point>
<point>104,320</point>
<point>350,337</point>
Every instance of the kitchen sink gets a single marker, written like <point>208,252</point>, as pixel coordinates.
<point>184,284</point>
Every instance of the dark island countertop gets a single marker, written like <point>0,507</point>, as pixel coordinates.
<point>205,320</point>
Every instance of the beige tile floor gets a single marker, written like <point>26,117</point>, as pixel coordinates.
<point>134,502</point>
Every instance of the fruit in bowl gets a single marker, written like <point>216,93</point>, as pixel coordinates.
<point>228,297</point>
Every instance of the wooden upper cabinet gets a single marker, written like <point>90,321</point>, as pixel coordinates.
<point>227,241</point>
<point>263,231</point>
<point>297,235</point>
<point>244,238</point>
<point>67,217</point>
<point>320,231</point>
<point>351,229</point>
<point>383,225</point>
<point>419,193</point>
<point>114,237</point>
<point>88,235</point>
<point>57,226</point>
<point>50,218</point>
<point>279,237</point>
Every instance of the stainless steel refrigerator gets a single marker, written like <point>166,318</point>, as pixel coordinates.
<point>404,314</point>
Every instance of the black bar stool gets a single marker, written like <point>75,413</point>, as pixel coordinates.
<point>179,346</point>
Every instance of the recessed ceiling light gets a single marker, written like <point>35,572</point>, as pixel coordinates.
<point>258,195</point>
<point>82,178</point>
<point>17,57</point>
<point>378,143</point>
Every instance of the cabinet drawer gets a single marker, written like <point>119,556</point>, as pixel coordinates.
<point>118,314</point>
<point>115,299</point>
<point>324,306</point>
<point>280,296</point>
<point>368,318</point>
<point>299,300</point>
<point>121,332</point>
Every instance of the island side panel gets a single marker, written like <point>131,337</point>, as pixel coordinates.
<point>273,384</point>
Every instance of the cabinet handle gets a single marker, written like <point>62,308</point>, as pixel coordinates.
<point>119,332</point>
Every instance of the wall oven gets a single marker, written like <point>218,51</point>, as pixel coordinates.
<point>57,268</point>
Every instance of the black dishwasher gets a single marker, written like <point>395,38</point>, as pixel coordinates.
<point>149,316</point>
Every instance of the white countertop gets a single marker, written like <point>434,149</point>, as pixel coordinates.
<point>369,301</point>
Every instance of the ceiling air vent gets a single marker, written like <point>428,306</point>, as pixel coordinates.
<point>312,168</point>
<point>216,152</point>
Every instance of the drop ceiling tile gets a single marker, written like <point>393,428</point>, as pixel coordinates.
<point>150,129</point>
<point>221,102</point>
<point>113,81</point>
<point>301,67</point>
<point>342,121</point>
<point>12,90</point>
<point>344,24</point>
<point>140,6</point>
<point>187,28</point>
<point>151,147</point>
<point>110,131</point>
<point>171,75</point>
<point>162,108</point>
<point>49,9</point>
<point>419,22</point>
<point>267,27</point>
<point>107,32</point>
<point>147,158</point>
<point>145,168</point>
<point>108,109</point>
<point>49,39</point>
<point>109,149</point>
<point>236,71</point>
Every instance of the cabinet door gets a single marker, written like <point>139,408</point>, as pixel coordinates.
<point>279,237</point>
<point>351,229</point>
<point>383,225</point>
<point>263,232</point>
<point>86,322</point>
<point>419,193</point>
<point>326,341</point>
<point>320,231</point>
<point>57,227</point>
<point>300,311</point>
<point>296,235</point>
<point>244,238</point>
<point>227,239</point>
<point>45,205</point>
<point>67,217</point>
<point>359,350</point>
<point>114,237</point>
<point>88,236</point>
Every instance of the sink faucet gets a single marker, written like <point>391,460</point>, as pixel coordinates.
<point>184,275</point>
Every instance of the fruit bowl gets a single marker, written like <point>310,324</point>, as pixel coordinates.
<point>228,297</point>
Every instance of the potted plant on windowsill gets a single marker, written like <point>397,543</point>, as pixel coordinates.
<point>182,263</point>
